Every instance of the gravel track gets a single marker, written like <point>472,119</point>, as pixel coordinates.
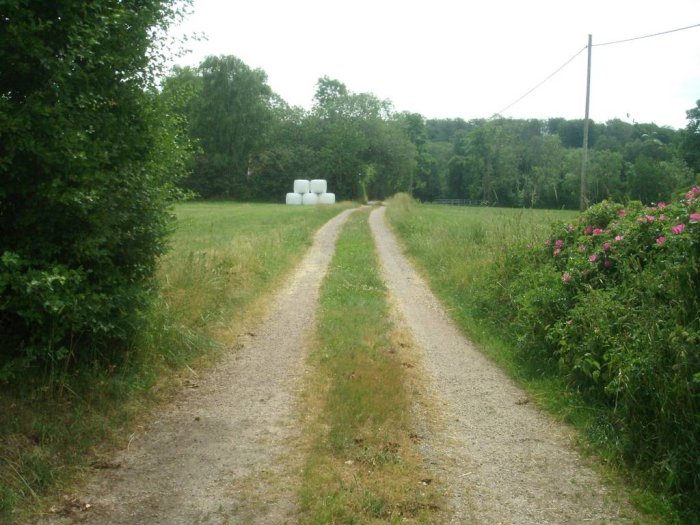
<point>223,452</point>
<point>227,449</point>
<point>502,459</point>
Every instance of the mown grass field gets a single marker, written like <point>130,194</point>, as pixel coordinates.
<point>456,250</point>
<point>224,260</point>
<point>362,465</point>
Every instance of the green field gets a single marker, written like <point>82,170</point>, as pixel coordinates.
<point>224,260</point>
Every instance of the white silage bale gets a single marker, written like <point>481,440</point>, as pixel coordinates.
<point>326,198</point>
<point>293,198</point>
<point>301,186</point>
<point>310,198</point>
<point>318,186</point>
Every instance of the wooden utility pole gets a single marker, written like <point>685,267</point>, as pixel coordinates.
<point>584,163</point>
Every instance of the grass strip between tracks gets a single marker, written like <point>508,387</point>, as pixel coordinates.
<point>362,466</point>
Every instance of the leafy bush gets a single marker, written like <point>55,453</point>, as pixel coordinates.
<point>88,164</point>
<point>613,299</point>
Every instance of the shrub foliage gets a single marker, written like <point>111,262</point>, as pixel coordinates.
<point>613,300</point>
<point>87,160</point>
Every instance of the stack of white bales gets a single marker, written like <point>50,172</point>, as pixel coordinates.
<point>310,192</point>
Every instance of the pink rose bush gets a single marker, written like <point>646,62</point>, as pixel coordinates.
<point>608,234</point>
<point>612,304</point>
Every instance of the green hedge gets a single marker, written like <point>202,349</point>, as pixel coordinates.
<point>88,161</point>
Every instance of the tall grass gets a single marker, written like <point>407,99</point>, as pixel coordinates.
<point>224,258</point>
<point>361,466</point>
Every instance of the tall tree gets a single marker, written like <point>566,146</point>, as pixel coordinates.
<point>425,184</point>
<point>356,146</point>
<point>230,120</point>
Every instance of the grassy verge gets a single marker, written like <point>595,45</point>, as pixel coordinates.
<point>362,465</point>
<point>224,258</point>
<point>455,249</point>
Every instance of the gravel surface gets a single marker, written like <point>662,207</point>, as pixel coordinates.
<point>502,460</point>
<point>224,451</point>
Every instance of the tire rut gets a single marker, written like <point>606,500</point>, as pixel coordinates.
<point>501,458</point>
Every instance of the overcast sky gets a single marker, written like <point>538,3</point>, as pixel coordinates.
<point>468,59</point>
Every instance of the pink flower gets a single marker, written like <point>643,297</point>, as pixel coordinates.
<point>662,218</point>
<point>660,240</point>
<point>557,251</point>
<point>547,242</point>
<point>593,258</point>
<point>606,246</point>
<point>661,205</point>
<point>559,243</point>
<point>597,231</point>
<point>619,237</point>
<point>678,229</point>
<point>622,213</point>
<point>650,218</point>
<point>695,217</point>
<point>566,277</point>
<point>588,230</point>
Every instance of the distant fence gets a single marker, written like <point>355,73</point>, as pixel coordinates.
<point>456,202</point>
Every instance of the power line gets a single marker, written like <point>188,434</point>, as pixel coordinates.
<point>540,83</point>
<point>580,51</point>
<point>645,36</point>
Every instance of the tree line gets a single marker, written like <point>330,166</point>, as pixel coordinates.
<point>250,144</point>
<point>537,163</point>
